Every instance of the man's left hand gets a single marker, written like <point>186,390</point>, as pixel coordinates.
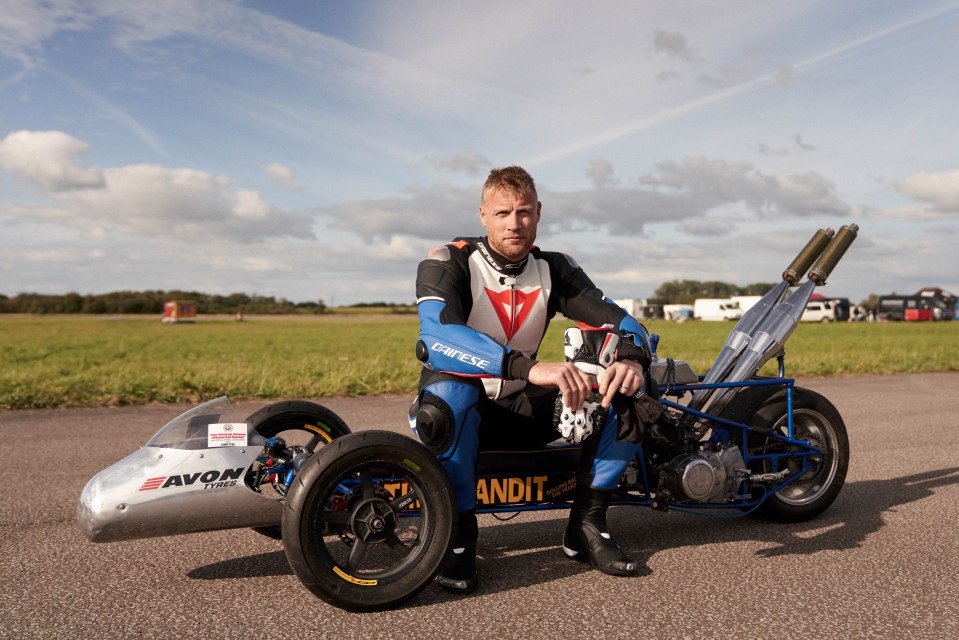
<point>625,377</point>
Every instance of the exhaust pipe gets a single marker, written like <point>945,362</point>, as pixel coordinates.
<point>741,334</point>
<point>833,254</point>
<point>778,325</point>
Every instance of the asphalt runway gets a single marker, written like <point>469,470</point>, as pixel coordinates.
<point>882,562</point>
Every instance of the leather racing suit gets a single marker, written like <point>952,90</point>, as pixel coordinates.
<point>482,320</point>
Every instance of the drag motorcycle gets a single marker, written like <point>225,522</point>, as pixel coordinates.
<point>368,517</point>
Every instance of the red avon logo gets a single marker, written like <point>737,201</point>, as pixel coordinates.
<point>209,478</point>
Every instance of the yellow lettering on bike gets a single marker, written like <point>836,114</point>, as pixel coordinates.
<point>516,489</point>
<point>498,489</point>
<point>482,493</point>
<point>510,490</point>
<point>539,481</point>
<point>560,489</point>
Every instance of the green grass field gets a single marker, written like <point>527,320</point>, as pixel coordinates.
<point>68,361</point>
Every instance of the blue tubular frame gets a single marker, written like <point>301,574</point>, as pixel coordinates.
<point>805,451</point>
<point>724,431</point>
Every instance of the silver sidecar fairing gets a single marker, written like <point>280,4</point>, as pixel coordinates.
<point>178,483</point>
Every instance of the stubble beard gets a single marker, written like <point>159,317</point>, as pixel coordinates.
<point>510,251</point>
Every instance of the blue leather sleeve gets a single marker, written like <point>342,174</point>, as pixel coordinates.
<point>632,327</point>
<point>456,348</point>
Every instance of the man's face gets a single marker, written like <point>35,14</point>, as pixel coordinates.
<point>510,219</point>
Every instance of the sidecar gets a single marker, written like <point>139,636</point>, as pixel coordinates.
<point>207,469</point>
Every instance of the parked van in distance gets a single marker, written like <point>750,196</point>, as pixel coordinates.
<point>717,309</point>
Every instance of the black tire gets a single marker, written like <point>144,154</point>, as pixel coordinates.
<point>369,521</point>
<point>318,426</point>
<point>817,421</point>
<point>299,415</point>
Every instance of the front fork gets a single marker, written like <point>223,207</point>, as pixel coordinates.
<point>278,465</point>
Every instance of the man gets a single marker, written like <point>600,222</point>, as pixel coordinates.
<point>484,306</point>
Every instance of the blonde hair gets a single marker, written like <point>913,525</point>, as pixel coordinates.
<point>513,179</point>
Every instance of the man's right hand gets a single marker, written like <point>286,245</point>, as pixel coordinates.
<point>573,384</point>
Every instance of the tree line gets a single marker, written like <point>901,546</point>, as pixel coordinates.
<point>687,291</point>
<point>151,302</point>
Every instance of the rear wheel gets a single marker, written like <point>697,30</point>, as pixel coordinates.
<point>816,421</point>
<point>369,521</point>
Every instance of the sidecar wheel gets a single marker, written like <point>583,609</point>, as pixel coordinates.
<point>369,521</point>
<point>816,420</point>
<point>319,425</point>
<point>298,422</point>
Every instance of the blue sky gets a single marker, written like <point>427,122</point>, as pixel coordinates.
<point>318,150</point>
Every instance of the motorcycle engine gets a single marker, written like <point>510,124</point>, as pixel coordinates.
<point>704,476</point>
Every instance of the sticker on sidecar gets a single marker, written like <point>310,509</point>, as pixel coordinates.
<point>212,479</point>
<point>226,434</point>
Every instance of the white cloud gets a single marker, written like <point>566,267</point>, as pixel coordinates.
<point>730,76</point>
<point>796,145</point>
<point>439,212</point>
<point>939,192</point>
<point>354,72</point>
<point>709,183</point>
<point>282,176</point>
<point>708,228</point>
<point>673,44</point>
<point>46,159</point>
<point>138,200</point>
<point>688,190</point>
<point>25,25</point>
<point>250,205</point>
<point>247,264</point>
<point>681,191</point>
<point>600,172</point>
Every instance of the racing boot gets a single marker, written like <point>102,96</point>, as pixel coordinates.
<point>459,572</point>
<point>587,538</point>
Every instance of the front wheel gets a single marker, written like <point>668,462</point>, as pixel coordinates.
<point>369,521</point>
<point>816,421</point>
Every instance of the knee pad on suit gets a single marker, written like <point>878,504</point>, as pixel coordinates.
<point>435,423</point>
